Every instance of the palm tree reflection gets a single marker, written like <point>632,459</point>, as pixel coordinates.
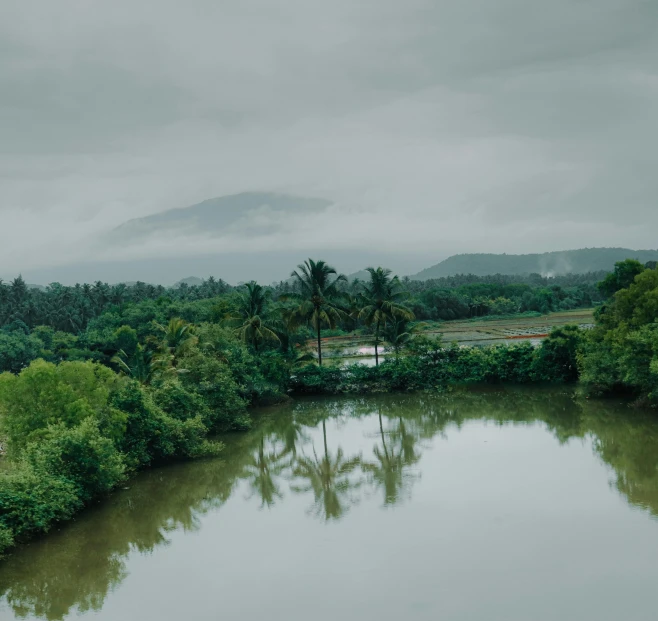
<point>391,470</point>
<point>262,470</point>
<point>329,478</point>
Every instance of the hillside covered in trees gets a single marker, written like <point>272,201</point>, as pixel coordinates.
<point>548,263</point>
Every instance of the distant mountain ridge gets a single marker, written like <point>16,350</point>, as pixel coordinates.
<point>248,213</point>
<point>578,261</point>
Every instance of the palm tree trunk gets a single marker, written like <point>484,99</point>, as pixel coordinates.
<point>319,347</point>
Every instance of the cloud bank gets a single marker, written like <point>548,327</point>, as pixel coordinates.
<point>433,127</point>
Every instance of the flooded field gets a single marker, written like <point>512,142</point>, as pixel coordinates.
<point>471,333</point>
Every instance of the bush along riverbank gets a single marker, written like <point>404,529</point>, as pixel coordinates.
<point>74,431</point>
<point>149,382</point>
<point>430,365</point>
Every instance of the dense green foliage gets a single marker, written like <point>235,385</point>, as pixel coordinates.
<point>142,380</point>
<point>621,353</point>
<point>621,277</point>
<point>70,309</point>
<point>448,299</point>
<point>433,365</point>
<point>73,431</point>
<point>86,312</point>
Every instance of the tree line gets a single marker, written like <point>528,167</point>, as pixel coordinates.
<point>71,308</point>
<point>77,323</point>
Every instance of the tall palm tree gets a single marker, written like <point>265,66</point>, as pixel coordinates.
<point>319,294</point>
<point>382,298</point>
<point>253,327</point>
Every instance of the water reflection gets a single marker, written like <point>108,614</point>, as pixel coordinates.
<point>262,471</point>
<point>299,450</point>
<point>329,478</point>
<point>391,470</point>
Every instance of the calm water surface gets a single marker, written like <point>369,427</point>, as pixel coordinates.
<point>500,504</point>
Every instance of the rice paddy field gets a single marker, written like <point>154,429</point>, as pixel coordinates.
<point>359,349</point>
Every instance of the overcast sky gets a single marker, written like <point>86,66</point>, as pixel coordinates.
<point>435,126</point>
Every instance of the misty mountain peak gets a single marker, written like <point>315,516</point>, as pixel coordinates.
<point>248,213</point>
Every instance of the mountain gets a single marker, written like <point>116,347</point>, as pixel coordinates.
<point>190,281</point>
<point>249,213</point>
<point>548,263</point>
<point>363,275</point>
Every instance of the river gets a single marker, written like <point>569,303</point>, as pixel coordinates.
<point>492,504</point>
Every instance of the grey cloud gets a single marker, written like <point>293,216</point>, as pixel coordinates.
<point>456,126</point>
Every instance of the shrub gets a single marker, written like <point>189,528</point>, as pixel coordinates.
<point>151,435</point>
<point>30,503</point>
<point>17,350</point>
<point>180,402</point>
<point>213,381</point>
<point>46,394</point>
<point>431,366</point>
<point>6,539</point>
<point>80,455</point>
<point>556,359</point>
<point>314,379</point>
<point>621,353</point>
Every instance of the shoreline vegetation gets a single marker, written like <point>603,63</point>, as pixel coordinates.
<point>99,382</point>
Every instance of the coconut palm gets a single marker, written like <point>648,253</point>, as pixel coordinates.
<point>177,339</point>
<point>398,332</point>
<point>143,365</point>
<point>382,302</point>
<point>328,477</point>
<point>319,295</point>
<point>253,327</point>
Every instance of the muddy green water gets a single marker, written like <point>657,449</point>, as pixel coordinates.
<point>500,504</point>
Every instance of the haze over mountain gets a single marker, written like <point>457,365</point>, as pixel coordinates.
<point>249,214</point>
<point>548,263</point>
<point>211,228</point>
<point>240,237</point>
<point>279,265</point>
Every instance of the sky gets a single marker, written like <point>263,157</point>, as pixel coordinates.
<point>433,126</point>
